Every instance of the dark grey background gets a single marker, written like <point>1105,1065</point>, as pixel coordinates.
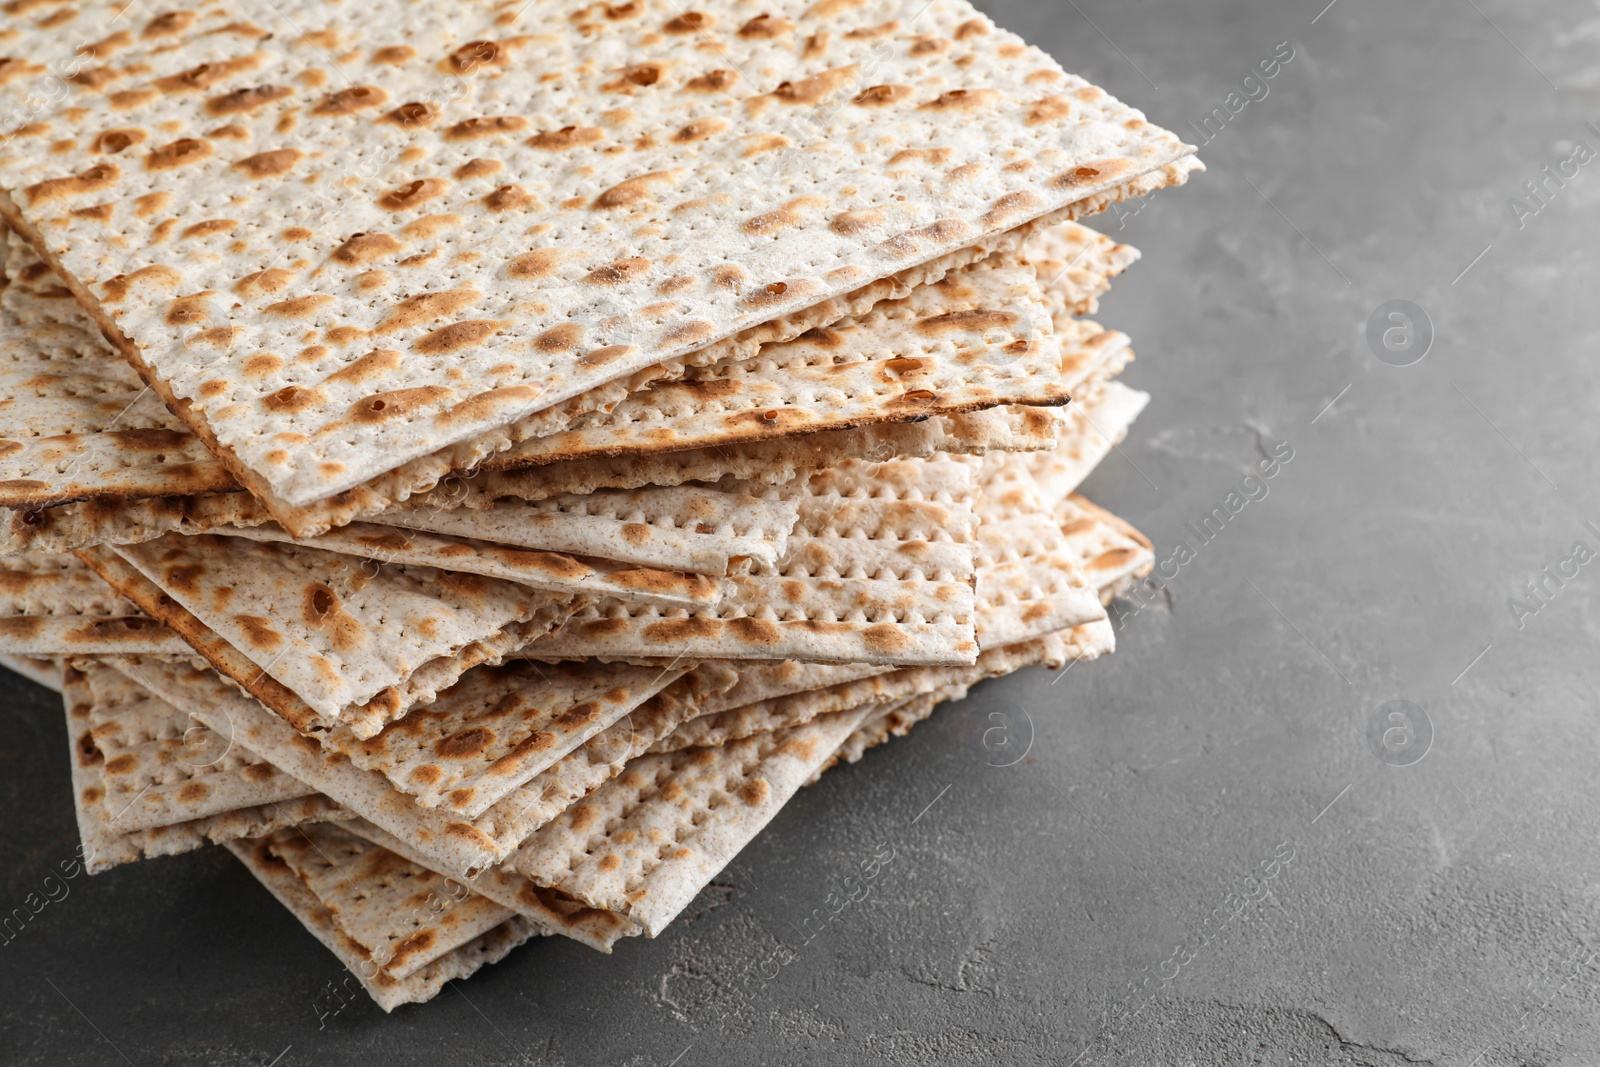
<point>1441,912</point>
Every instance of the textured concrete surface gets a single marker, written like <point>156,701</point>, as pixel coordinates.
<point>1202,857</point>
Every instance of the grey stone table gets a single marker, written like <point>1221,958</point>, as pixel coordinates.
<point>1219,847</point>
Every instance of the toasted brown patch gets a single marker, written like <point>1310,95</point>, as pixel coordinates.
<point>348,101</point>
<point>270,164</point>
<point>382,407</point>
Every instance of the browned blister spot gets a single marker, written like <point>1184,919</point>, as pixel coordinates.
<point>689,22</point>
<point>881,95</point>
<point>766,27</point>
<point>456,336</point>
<point>1009,207</point>
<point>715,81</point>
<point>270,164</point>
<point>508,198</point>
<point>242,101</point>
<point>98,177</point>
<point>478,168</point>
<point>699,130</point>
<point>207,74</point>
<point>1113,559</point>
<point>293,398</point>
<point>374,364</point>
<point>633,190</point>
<point>298,307</point>
<point>472,129</point>
<point>170,22</point>
<point>1096,172</point>
<point>465,744</point>
<point>209,227</point>
<point>474,55</point>
<point>786,217</point>
<point>114,141</point>
<point>413,194</point>
<point>638,76</point>
<point>1049,109</point>
<point>623,270</point>
<point>412,116</point>
<point>566,137</point>
<point>263,365</point>
<point>258,632</point>
<point>818,87</point>
<point>851,223</point>
<point>365,247</point>
<point>271,280</point>
<point>381,407</point>
<point>428,307</point>
<point>755,792</point>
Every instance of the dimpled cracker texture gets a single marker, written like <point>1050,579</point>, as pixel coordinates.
<point>498,727</point>
<point>404,915</point>
<point>687,528</point>
<point>386,991</point>
<point>451,844</point>
<point>647,841</point>
<point>792,709</point>
<point>878,570</point>
<point>1029,581</point>
<point>521,239</point>
<point>123,510</point>
<point>978,338</point>
<point>159,767</point>
<point>75,420</point>
<point>105,847</point>
<point>357,640</point>
<point>552,910</point>
<point>1096,426</point>
<point>53,605</point>
<point>1075,265</point>
<point>551,571</point>
<point>1115,554</point>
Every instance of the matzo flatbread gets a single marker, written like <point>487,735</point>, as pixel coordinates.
<point>793,709</point>
<point>474,94</point>
<point>979,338</point>
<point>552,910</point>
<point>105,847</point>
<point>404,915</point>
<point>554,572</point>
<point>686,528</point>
<point>53,605</point>
<point>1094,427</point>
<point>452,844</point>
<point>388,992</point>
<point>498,727</point>
<point>878,570</point>
<point>358,642</point>
<point>158,767</point>
<point>646,842</point>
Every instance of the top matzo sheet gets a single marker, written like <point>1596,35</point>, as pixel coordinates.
<point>342,236</point>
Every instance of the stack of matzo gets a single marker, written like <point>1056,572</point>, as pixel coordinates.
<point>478,460</point>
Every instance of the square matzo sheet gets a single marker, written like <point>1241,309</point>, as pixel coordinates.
<point>335,253</point>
